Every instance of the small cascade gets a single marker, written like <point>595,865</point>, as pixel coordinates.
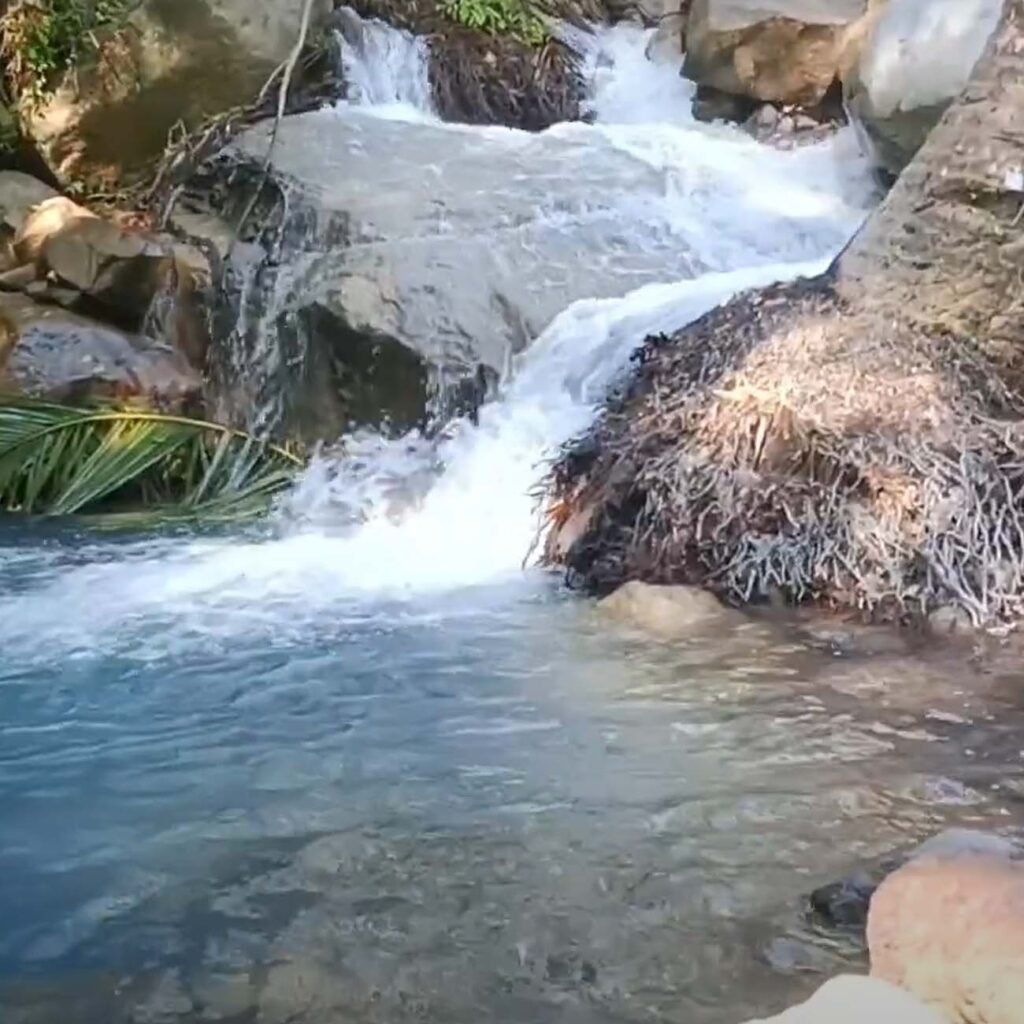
<point>384,67</point>
<point>548,257</point>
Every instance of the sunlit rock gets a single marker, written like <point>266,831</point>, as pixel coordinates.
<point>952,932</point>
<point>787,51</point>
<point>854,1000</point>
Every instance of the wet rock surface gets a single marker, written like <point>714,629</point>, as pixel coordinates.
<point>667,612</point>
<point>847,902</point>
<point>407,248</point>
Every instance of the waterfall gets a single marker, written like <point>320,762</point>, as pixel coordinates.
<point>384,67</point>
<point>400,516</point>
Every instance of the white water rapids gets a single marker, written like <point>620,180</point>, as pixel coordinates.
<point>399,517</point>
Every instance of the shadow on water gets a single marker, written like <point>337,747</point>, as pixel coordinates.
<point>493,807</point>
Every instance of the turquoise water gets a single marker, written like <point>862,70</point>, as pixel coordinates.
<point>483,804</point>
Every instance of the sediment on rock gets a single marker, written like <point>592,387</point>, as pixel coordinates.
<point>856,439</point>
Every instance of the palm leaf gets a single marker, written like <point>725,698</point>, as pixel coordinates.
<point>57,460</point>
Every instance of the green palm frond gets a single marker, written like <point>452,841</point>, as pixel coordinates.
<point>59,460</point>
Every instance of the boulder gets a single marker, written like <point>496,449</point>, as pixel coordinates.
<point>414,245</point>
<point>49,352</point>
<point>667,612</point>
<point>66,254</point>
<point>786,51</point>
<point>173,61</point>
<point>849,999</point>
<point>119,270</point>
<point>44,221</point>
<point>668,42</point>
<point>648,12</point>
<point>917,57</point>
<point>19,194</point>
<point>952,933</point>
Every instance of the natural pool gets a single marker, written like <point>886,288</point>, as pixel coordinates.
<point>492,804</point>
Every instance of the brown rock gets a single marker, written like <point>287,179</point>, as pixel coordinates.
<point>787,51</point>
<point>952,933</point>
<point>853,1000</point>
<point>130,277</point>
<point>667,612</point>
<point>43,222</point>
<point>19,194</point>
<point>49,352</point>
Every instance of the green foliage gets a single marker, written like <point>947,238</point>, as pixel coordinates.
<point>42,39</point>
<point>514,18</point>
<point>58,460</point>
<point>9,134</point>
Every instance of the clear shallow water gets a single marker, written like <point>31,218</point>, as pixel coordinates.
<point>358,765</point>
<point>486,805</point>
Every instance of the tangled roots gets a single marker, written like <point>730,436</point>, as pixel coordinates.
<point>788,444</point>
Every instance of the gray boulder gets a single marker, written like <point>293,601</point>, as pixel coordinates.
<point>917,58</point>
<point>49,352</point>
<point>785,51</point>
<point>388,236</point>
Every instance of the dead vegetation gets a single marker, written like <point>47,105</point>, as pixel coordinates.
<point>480,77</point>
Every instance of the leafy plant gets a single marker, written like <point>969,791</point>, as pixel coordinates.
<point>500,17</point>
<point>42,39</point>
<point>58,460</point>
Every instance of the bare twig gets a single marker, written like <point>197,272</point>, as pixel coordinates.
<point>282,100</point>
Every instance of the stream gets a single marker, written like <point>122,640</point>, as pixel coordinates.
<point>365,763</point>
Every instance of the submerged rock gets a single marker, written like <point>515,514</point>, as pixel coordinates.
<point>667,612</point>
<point>952,933</point>
<point>846,903</point>
<point>49,352</point>
<point>917,58</point>
<point>854,1000</point>
<point>787,51</point>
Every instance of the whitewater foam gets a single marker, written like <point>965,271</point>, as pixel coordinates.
<point>390,518</point>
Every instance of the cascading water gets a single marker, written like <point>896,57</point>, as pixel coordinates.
<point>357,765</point>
<point>408,515</point>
